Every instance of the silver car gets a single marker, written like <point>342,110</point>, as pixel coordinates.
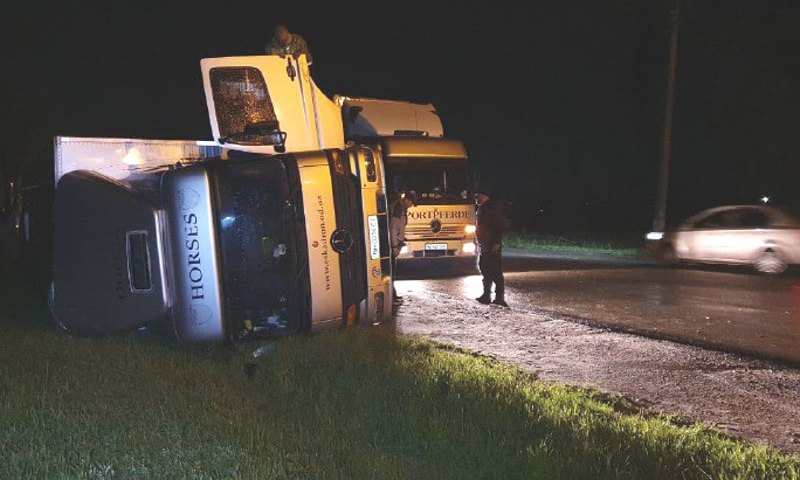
<point>764,237</point>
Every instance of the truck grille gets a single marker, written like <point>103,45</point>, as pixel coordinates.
<point>414,232</point>
<point>347,200</point>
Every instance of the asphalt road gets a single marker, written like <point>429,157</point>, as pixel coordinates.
<point>728,309</point>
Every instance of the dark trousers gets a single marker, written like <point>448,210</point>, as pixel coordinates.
<point>394,272</point>
<point>491,267</point>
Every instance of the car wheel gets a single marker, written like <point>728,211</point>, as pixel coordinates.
<point>771,263</point>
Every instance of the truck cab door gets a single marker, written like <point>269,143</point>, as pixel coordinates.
<point>269,104</point>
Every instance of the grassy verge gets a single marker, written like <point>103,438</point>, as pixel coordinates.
<point>342,404</point>
<point>623,246</point>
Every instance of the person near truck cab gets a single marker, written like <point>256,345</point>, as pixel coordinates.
<point>491,226</point>
<point>283,43</point>
<point>398,219</point>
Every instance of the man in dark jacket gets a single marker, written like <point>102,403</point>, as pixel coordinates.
<point>491,226</point>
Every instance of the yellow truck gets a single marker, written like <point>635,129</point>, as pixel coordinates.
<point>419,158</point>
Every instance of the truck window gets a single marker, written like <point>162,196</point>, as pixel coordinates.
<point>436,181</point>
<point>262,260</point>
<point>242,105</point>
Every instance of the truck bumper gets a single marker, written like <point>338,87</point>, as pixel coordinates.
<point>445,248</point>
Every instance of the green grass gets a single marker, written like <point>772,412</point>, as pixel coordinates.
<point>340,404</point>
<point>623,246</point>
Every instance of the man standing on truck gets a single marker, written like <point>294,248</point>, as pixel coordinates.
<point>398,219</point>
<point>491,226</point>
<point>285,43</point>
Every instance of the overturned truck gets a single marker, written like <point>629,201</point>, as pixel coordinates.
<point>273,228</point>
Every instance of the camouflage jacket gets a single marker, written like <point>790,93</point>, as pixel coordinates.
<point>296,46</point>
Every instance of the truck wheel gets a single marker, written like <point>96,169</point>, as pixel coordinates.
<point>770,263</point>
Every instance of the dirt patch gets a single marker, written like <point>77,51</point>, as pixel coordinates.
<point>754,400</point>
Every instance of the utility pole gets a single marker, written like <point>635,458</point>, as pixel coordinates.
<point>660,216</point>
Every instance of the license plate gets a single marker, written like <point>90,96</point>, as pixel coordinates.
<point>374,238</point>
<point>435,246</point>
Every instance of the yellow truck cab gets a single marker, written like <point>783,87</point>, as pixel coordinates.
<point>419,158</point>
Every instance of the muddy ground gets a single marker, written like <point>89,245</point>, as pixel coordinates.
<point>749,399</point>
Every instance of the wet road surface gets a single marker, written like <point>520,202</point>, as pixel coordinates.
<point>731,309</point>
<point>574,320</point>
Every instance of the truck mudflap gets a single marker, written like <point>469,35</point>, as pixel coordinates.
<point>106,267</point>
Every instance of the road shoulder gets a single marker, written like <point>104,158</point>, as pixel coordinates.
<point>750,399</point>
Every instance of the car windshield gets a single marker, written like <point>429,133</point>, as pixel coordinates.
<point>436,181</point>
<point>261,257</point>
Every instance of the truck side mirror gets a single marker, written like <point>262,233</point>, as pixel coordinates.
<point>279,141</point>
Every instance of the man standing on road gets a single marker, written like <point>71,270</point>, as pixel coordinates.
<point>285,43</point>
<point>491,226</point>
<point>398,219</point>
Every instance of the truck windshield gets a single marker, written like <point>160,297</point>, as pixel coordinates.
<point>436,181</point>
<point>243,106</point>
<point>264,262</point>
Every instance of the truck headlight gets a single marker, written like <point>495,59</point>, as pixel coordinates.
<point>403,249</point>
<point>655,235</point>
<point>468,247</point>
<point>469,229</point>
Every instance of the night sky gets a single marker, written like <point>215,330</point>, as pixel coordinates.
<point>559,103</point>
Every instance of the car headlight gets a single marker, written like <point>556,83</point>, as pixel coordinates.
<point>655,235</point>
